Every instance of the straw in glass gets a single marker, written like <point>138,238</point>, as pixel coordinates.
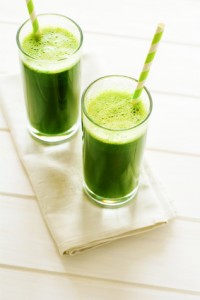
<point>149,59</point>
<point>33,17</point>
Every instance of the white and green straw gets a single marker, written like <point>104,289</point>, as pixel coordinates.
<point>33,17</point>
<point>149,59</point>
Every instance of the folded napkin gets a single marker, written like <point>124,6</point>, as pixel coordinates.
<point>76,224</point>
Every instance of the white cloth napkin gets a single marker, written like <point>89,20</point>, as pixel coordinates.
<point>55,172</point>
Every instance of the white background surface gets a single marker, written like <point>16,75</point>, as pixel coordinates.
<point>161,264</point>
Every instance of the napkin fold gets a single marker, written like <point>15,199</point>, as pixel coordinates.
<point>55,172</point>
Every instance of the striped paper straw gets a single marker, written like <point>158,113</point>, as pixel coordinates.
<point>149,59</point>
<point>33,17</point>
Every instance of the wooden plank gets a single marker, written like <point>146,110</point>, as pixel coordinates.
<point>8,50</point>
<point>127,18</point>
<point>180,175</point>
<point>125,56</point>
<point>173,125</point>
<point>29,284</point>
<point>173,248</point>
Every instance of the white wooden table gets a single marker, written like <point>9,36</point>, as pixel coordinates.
<point>161,264</point>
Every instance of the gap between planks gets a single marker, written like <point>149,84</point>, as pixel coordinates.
<point>173,152</point>
<point>129,36</point>
<point>119,283</point>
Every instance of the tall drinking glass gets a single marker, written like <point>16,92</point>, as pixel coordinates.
<point>114,133</point>
<point>50,65</point>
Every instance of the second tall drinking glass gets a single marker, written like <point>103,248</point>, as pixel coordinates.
<point>114,134</point>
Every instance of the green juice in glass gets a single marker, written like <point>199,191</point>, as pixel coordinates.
<point>51,77</point>
<point>113,144</point>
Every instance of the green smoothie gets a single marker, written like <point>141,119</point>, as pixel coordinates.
<point>112,151</point>
<point>51,80</point>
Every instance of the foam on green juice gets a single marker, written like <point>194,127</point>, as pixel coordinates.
<point>54,43</point>
<point>116,110</point>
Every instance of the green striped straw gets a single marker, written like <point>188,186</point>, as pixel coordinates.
<point>33,17</point>
<point>149,59</point>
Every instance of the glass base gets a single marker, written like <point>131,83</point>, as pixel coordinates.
<point>110,202</point>
<point>53,139</point>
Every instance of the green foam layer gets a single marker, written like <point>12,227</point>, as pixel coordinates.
<point>53,44</point>
<point>116,110</point>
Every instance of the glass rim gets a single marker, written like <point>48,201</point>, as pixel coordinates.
<point>111,129</point>
<point>43,15</point>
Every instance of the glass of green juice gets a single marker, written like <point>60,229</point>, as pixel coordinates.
<point>114,132</point>
<point>50,67</point>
